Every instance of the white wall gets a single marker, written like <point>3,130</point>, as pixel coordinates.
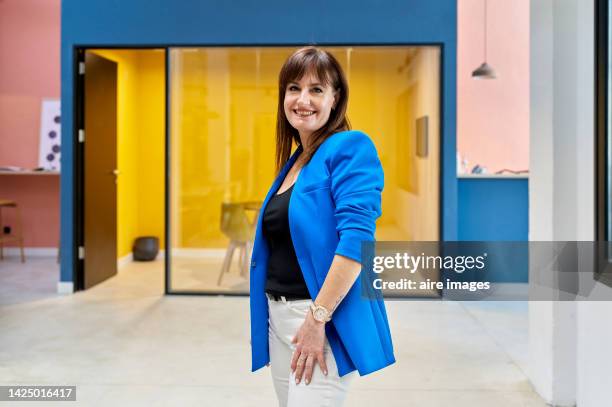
<point>551,324</point>
<point>569,342</point>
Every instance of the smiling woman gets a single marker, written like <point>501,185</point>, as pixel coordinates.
<point>309,322</point>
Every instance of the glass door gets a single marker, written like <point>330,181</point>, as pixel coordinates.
<point>222,115</point>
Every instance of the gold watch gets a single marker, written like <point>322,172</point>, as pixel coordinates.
<point>320,313</point>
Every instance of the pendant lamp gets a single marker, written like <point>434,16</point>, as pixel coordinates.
<point>484,71</point>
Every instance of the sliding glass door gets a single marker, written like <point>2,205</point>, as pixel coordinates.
<point>222,119</point>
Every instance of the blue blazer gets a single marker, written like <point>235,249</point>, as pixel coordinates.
<point>333,208</point>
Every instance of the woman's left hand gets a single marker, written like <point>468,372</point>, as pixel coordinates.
<point>310,340</point>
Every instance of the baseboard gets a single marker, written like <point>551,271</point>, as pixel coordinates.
<point>122,261</point>
<point>31,251</point>
<point>65,287</point>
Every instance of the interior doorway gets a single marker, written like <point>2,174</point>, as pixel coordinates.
<point>120,161</point>
<point>100,170</point>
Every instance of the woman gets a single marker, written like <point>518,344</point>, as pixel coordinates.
<point>309,322</point>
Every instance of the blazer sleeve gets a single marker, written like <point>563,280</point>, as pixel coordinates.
<point>357,181</point>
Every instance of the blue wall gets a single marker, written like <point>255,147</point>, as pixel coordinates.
<point>159,23</point>
<point>496,210</point>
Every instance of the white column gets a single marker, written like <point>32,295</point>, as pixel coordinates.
<point>553,185</point>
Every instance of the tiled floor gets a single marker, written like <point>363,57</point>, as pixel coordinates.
<point>123,343</point>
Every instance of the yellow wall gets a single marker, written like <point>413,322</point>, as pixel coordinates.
<point>140,145</point>
<point>223,133</point>
<point>223,119</point>
<point>422,209</point>
<point>390,87</point>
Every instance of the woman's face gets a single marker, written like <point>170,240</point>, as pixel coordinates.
<point>308,104</point>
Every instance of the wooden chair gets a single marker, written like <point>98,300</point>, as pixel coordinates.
<point>17,234</point>
<point>236,226</point>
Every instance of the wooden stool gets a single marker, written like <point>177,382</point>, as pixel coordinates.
<point>17,234</point>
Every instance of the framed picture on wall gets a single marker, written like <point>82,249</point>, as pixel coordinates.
<point>49,150</point>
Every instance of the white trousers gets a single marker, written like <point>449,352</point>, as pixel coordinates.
<point>286,317</point>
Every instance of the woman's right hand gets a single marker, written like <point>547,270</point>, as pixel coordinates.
<point>310,341</point>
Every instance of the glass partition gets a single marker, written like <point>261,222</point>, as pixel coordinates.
<point>222,109</point>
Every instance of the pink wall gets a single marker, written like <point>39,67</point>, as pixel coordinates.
<point>493,115</point>
<point>29,72</point>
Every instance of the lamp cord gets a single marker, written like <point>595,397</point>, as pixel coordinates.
<point>485,29</point>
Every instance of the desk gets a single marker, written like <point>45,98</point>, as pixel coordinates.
<point>38,195</point>
<point>29,172</point>
<point>494,176</point>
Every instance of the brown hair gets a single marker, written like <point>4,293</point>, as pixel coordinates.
<point>327,70</point>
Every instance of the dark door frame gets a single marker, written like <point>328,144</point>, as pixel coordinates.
<point>78,223</point>
<point>603,252</point>
<point>78,218</point>
<point>442,84</point>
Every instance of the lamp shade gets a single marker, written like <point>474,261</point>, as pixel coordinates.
<point>484,71</point>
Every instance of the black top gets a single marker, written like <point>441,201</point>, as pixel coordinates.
<point>284,274</point>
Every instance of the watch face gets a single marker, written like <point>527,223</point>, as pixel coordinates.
<point>319,314</point>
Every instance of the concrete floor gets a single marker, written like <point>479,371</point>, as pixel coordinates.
<point>124,343</point>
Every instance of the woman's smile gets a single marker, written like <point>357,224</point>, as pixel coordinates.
<point>304,113</point>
